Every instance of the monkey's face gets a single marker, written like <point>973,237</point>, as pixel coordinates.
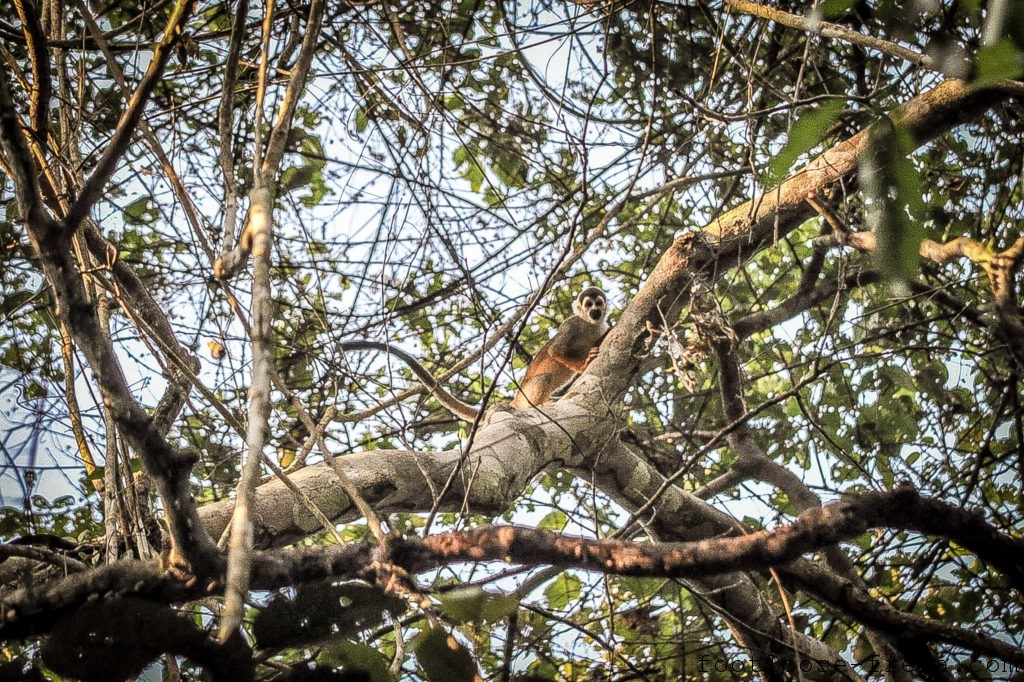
<point>591,305</point>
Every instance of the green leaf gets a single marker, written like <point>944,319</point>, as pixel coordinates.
<point>831,9</point>
<point>358,660</point>
<point>474,174</point>
<point>474,605</point>
<point>792,407</point>
<point>807,132</point>
<point>555,520</point>
<point>643,589</point>
<point>35,390</point>
<point>497,607</point>
<point>996,62</point>
<point>362,119</point>
<point>442,658</point>
<point>898,377</point>
<point>563,590</point>
<point>11,302</point>
<point>894,207</point>
<point>142,211</point>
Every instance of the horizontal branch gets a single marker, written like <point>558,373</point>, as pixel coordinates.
<point>804,299</point>
<point>900,509</point>
<point>33,610</point>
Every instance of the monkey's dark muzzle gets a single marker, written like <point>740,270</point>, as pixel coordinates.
<point>595,314</point>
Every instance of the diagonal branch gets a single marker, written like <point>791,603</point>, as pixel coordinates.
<point>739,234</point>
<point>225,119</point>
<point>753,462</point>
<point>296,86</point>
<point>94,186</point>
<point>830,30</point>
<point>21,166</point>
<point>170,470</point>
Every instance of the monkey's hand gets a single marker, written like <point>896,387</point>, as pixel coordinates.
<point>593,354</point>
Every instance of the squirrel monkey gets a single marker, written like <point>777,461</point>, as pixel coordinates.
<point>254,237</point>
<point>568,352</point>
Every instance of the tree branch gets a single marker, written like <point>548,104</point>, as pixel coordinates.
<point>739,234</point>
<point>261,227</point>
<point>169,468</point>
<point>34,609</point>
<point>829,30</point>
<point>21,166</point>
<point>1000,267</point>
<point>39,98</point>
<point>94,186</point>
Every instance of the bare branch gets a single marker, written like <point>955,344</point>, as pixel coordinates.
<point>829,30</point>
<point>296,85</point>
<point>225,119</point>
<point>21,166</point>
<point>261,227</point>
<point>93,188</point>
<point>39,98</point>
<point>38,607</point>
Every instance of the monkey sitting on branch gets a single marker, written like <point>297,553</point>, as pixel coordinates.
<point>566,354</point>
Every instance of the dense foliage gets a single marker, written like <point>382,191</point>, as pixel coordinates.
<point>453,174</point>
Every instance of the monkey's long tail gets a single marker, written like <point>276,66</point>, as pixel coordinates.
<point>460,409</point>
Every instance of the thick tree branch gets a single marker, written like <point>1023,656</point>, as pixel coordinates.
<point>748,228</point>
<point>36,608</point>
<point>742,232</point>
<point>814,529</point>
